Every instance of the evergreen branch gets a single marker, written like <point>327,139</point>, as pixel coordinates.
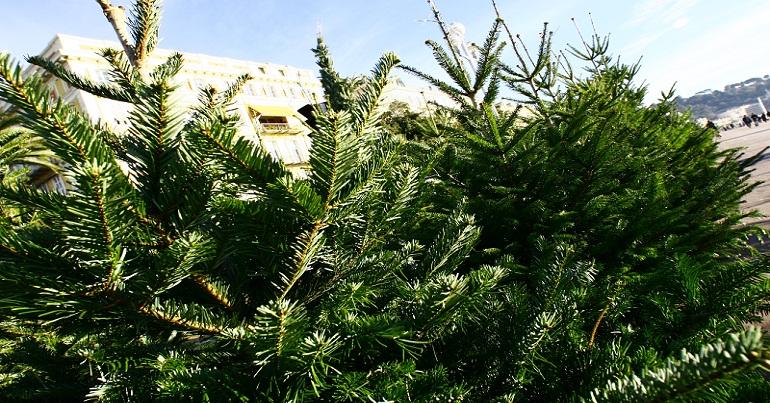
<point>195,184</point>
<point>101,90</point>
<point>369,174</point>
<point>16,251</point>
<point>491,119</point>
<point>456,94</point>
<point>368,95</point>
<point>213,292</point>
<point>451,245</point>
<point>124,74</point>
<point>168,69</point>
<point>691,374</point>
<point>99,213</point>
<point>220,139</point>
<point>107,232</point>
<point>458,64</point>
<point>155,137</point>
<point>67,133</point>
<point>226,96</point>
<point>330,155</point>
<point>489,57</point>
<point>304,257</point>
<point>598,322</point>
<point>145,24</point>
<point>407,189</point>
<point>336,90</point>
<point>177,320</point>
<point>456,71</point>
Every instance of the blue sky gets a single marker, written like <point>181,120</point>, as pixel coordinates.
<point>697,44</point>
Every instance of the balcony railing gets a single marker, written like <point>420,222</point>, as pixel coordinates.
<point>279,128</point>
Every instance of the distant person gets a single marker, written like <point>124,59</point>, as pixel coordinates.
<point>711,125</point>
<point>746,120</point>
<point>755,118</point>
<point>763,117</point>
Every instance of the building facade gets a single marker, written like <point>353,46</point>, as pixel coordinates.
<point>267,103</point>
<point>418,99</point>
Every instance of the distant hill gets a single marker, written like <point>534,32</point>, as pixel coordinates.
<point>708,103</point>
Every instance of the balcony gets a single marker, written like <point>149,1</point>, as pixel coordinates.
<point>279,128</point>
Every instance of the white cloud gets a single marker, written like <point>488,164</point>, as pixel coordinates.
<point>639,44</point>
<point>659,11</point>
<point>722,56</point>
<point>681,23</point>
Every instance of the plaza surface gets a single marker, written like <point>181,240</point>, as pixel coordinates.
<point>753,140</point>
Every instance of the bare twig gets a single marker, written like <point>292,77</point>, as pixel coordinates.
<point>116,15</point>
<point>444,31</point>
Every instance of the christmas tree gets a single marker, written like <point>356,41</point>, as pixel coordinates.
<point>586,252</point>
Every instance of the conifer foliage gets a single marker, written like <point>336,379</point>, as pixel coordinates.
<point>186,264</point>
<point>618,224</point>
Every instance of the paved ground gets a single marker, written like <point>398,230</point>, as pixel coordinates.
<point>754,139</point>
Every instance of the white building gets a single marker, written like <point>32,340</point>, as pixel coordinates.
<point>267,104</point>
<point>735,114</point>
<point>417,98</point>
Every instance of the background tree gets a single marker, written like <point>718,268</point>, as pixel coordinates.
<point>619,225</point>
<point>400,120</point>
<point>20,153</point>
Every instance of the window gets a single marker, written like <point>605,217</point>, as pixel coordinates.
<point>273,123</point>
<point>118,112</point>
<point>281,72</point>
<point>248,89</point>
<point>272,150</point>
<point>196,84</point>
<point>294,151</point>
<point>271,91</point>
<point>101,76</point>
<point>58,184</point>
<point>273,119</point>
<point>61,87</point>
<point>261,70</point>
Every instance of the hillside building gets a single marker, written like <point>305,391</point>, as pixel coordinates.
<point>734,115</point>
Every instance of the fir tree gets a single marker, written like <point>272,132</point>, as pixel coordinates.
<point>186,264</point>
<point>20,154</point>
<point>619,226</point>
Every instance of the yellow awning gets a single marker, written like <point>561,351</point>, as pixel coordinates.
<point>274,110</point>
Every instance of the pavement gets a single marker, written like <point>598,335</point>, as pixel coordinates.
<point>753,140</point>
